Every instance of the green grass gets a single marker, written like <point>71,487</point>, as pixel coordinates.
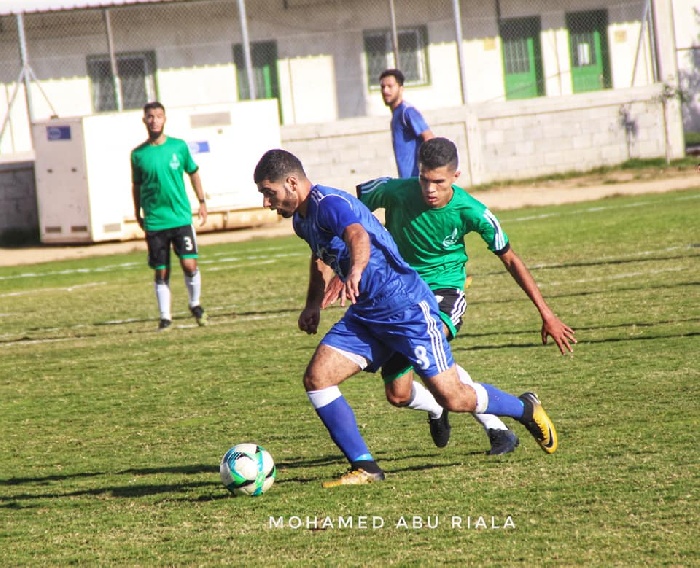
<point>112,432</point>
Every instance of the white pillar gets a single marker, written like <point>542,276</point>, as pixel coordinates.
<point>665,42</point>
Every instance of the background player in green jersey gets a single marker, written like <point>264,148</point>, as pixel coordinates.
<point>157,169</point>
<point>429,217</point>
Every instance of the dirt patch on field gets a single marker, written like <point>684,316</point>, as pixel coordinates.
<point>547,192</point>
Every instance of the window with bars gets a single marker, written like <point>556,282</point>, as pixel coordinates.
<point>516,55</point>
<point>135,83</point>
<point>522,57</point>
<point>583,50</point>
<point>588,49</point>
<point>413,56</point>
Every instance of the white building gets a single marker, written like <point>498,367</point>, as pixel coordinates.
<point>530,87</point>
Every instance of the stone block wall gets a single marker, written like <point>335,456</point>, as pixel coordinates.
<point>503,141</point>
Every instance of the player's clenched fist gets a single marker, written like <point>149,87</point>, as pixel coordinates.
<point>309,320</point>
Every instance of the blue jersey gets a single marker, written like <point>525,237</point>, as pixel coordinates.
<point>387,282</point>
<point>395,310</point>
<point>407,124</point>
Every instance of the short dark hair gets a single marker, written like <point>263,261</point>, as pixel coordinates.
<point>438,152</point>
<point>152,105</point>
<point>395,73</point>
<point>276,165</point>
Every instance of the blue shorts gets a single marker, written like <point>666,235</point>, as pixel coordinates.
<point>415,332</point>
<point>452,304</point>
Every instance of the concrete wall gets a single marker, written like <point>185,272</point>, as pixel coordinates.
<point>500,141</point>
<point>573,132</point>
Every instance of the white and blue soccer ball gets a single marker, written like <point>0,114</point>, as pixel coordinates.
<point>247,469</point>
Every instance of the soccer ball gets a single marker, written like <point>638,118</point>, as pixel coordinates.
<point>247,469</point>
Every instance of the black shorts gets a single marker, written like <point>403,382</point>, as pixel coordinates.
<point>183,241</point>
<point>453,305</point>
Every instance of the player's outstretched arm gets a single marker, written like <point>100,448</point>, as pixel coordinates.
<point>552,326</point>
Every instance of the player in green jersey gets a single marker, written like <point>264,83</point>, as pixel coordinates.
<point>429,217</point>
<point>157,170</point>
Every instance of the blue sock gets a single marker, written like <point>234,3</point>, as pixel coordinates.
<point>503,404</point>
<point>339,420</point>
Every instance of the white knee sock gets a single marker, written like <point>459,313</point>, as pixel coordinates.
<point>422,399</point>
<point>488,421</point>
<point>194,288</point>
<point>464,377</point>
<point>323,397</point>
<point>163,298</point>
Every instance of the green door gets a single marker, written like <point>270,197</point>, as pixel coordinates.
<point>264,60</point>
<point>588,48</point>
<point>522,58</point>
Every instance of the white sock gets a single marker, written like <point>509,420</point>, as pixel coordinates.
<point>163,298</point>
<point>422,399</point>
<point>488,421</point>
<point>323,397</point>
<point>464,377</point>
<point>194,288</point>
<point>482,398</point>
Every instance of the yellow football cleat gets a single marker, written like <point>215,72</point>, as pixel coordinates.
<point>355,477</point>
<point>537,422</point>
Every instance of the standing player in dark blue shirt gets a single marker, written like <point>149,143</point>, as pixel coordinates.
<point>392,310</point>
<point>408,127</point>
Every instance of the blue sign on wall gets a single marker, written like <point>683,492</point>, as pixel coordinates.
<point>199,147</point>
<point>57,133</point>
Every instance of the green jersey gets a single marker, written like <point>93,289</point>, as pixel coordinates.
<point>158,170</point>
<point>432,240</point>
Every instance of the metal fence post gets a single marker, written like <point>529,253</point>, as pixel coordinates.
<point>246,50</point>
<point>116,81</point>
<point>460,48</point>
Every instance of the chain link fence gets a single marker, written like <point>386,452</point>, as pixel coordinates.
<point>320,59</point>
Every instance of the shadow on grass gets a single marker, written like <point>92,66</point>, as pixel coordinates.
<point>52,333</point>
<point>589,263</point>
<point>612,261</point>
<point>466,336</point>
<point>49,482</point>
<point>122,492</point>
<point>591,292</point>
<point>47,485</point>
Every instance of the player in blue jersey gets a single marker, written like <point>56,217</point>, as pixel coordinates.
<point>429,218</point>
<point>408,127</point>
<point>392,310</point>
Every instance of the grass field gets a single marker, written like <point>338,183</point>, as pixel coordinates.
<point>112,433</point>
